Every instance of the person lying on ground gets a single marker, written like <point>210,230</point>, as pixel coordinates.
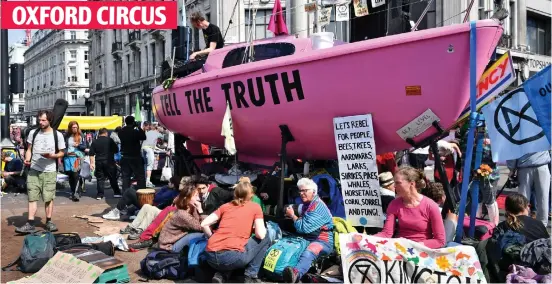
<point>231,246</point>
<point>146,238</point>
<point>13,181</point>
<point>161,199</point>
<point>419,218</point>
<point>185,224</point>
<point>148,213</point>
<point>435,192</point>
<point>314,224</point>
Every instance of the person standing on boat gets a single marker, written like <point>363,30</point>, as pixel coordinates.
<point>211,33</point>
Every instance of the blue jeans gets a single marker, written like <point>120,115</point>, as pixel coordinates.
<point>184,241</point>
<point>313,251</point>
<point>251,258</point>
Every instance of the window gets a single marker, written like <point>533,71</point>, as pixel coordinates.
<point>538,35</point>
<point>85,34</point>
<point>261,52</point>
<point>87,91</point>
<point>261,22</point>
<point>73,94</point>
<point>73,35</point>
<point>86,55</point>
<point>86,72</point>
<point>62,56</point>
<point>73,54</point>
<point>21,108</point>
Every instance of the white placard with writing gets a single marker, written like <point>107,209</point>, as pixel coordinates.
<point>377,3</point>
<point>356,153</point>
<point>324,16</point>
<point>342,13</point>
<point>418,125</point>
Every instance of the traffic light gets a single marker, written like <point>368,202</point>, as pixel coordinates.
<point>146,99</point>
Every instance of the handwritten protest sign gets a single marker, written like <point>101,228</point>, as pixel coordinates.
<point>356,151</point>
<point>368,259</point>
<point>64,268</point>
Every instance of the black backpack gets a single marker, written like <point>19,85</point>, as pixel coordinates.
<point>37,249</point>
<point>162,264</point>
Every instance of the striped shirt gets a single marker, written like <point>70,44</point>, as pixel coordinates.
<point>315,221</point>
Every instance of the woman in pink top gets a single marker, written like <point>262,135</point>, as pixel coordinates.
<point>419,218</point>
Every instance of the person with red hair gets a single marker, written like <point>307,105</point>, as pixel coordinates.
<point>72,160</point>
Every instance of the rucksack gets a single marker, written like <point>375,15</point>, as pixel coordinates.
<point>66,239</point>
<point>162,264</point>
<point>197,246</point>
<point>341,226</point>
<point>286,252</point>
<point>274,232</point>
<point>333,193</point>
<point>55,143</point>
<point>37,249</point>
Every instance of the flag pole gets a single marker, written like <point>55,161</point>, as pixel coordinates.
<point>473,124</point>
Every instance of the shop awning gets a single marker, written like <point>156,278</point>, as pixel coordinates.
<point>92,122</point>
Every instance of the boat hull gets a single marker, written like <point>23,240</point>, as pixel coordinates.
<point>307,92</point>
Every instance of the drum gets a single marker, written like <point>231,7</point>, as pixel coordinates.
<point>145,196</point>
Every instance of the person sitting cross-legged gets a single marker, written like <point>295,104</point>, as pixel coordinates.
<point>314,224</point>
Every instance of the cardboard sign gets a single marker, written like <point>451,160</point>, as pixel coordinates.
<point>342,13</point>
<point>367,259</point>
<point>310,7</point>
<point>324,16</point>
<point>418,125</point>
<point>64,268</point>
<point>356,152</point>
<point>361,7</point>
<point>495,80</point>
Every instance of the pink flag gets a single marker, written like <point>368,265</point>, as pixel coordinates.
<point>277,24</point>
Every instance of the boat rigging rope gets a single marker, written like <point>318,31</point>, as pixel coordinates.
<point>231,17</point>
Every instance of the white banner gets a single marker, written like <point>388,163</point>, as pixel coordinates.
<point>513,127</point>
<point>367,259</point>
<point>342,13</point>
<point>228,131</point>
<point>356,153</point>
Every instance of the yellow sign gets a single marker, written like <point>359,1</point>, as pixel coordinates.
<point>271,259</point>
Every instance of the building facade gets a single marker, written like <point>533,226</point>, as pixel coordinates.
<point>16,55</point>
<point>124,63</point>
<point>56,66</point>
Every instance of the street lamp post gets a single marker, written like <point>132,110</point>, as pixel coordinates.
<point>87,103</point>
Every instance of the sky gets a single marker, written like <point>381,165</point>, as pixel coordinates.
<point>15,36</point>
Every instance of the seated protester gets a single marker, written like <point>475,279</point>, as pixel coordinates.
<point>148,213</point>
<point>255,198</point>
<point>185,223</point>
<point>13,181</point>
<point>314,224</point>
<point>231,246</point>
<point>436,193</point>
<point>419,218</point>
<point>211,197</point>
<point>387,189</point>
<point>518,229</point>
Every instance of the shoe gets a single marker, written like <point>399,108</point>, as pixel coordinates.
<point>117,195</point>
<point>219,278</point>
<point>26,229</point>
<point>127,230</point>
<point>141,245</point>
<point>75,198</point>
<point>99,197</point>
<point>150,185</point>
<point>135,234</point>
<point>113,215</point>
<point>291,275</point>
<point>51,227</point>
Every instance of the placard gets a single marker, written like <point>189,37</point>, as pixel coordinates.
<point>368,259</point>
<point>310,7</point>
<point>324,16</point>
<point>64,268</point>
<point>361,7</point>
<point>342,13</point>
<point>358,171</point>
<point>377,3</point>
<point>418,125</point>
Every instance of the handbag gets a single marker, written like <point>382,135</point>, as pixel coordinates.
<point>166,173</point>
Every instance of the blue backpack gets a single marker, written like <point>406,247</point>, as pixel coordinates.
<point>274,232</point>
<point>197,246</point>
<point>162,264</point>
<point>336,199</point>
<point>286,252</point>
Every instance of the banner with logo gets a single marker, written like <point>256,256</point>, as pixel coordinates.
<point>495,80</point>
<point>538,89</point>
<point>368,259</point>
<point>513,127</point>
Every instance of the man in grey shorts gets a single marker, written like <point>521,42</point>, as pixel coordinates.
<point>42,176</point>
<point>148,146</point>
